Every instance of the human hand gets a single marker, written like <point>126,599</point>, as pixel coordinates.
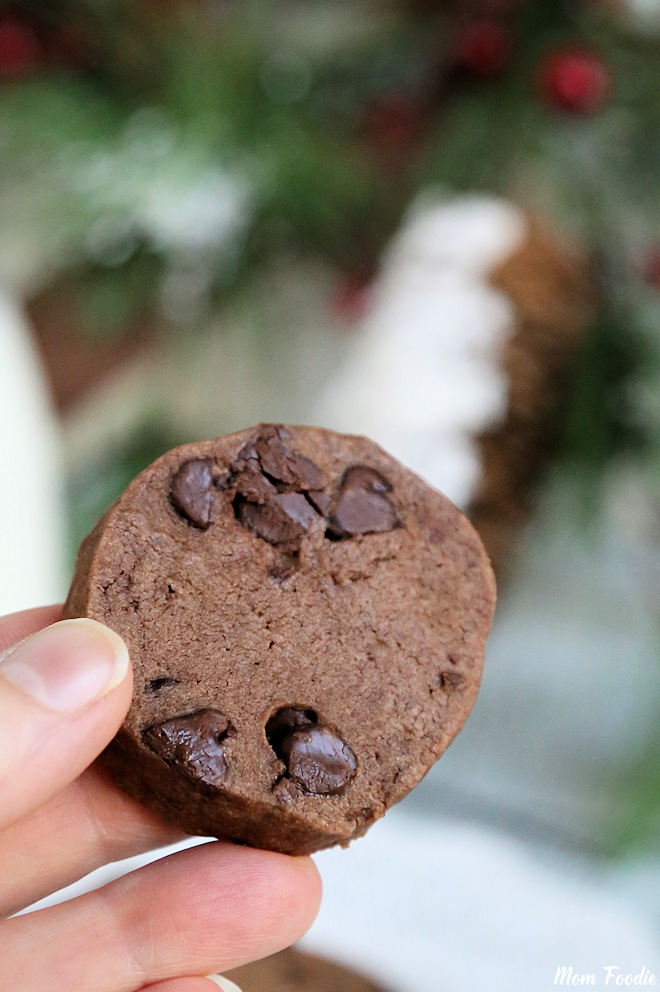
<point>64,692</point>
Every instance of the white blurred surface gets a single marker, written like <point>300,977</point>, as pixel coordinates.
<point>31,506</point>
<point>448,907</point>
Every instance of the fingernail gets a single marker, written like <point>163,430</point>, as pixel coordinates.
<point>223,983</point>
<point>68,665</point>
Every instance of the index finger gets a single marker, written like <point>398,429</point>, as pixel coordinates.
<point>89,824</point>
<point>203,910</point>
<point>15,626</point>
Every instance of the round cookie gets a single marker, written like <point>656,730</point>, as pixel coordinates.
<point>306,620</point>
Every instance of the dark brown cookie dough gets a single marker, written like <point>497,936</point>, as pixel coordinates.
<point>297,971</point>
<point>306,620</point>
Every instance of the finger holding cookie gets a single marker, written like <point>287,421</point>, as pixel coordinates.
<point>64,691</point>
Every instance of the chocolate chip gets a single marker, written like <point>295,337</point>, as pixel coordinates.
<point>192,491</point>
<point>269,479</point>
<point>270,454</point>
<point>364,505</point>
<point>315,757</point>
<point>254,486</point>
<point>297,508</point>
<point>282,519</point>
<point>450,680</point>
<point>362,477</point>
<point>310,476</point>
<point>193,744</point>
<point>318,760</point>
<point>246,459</point>
<point>285,720</point>
<point>320,500</point>
<point>287,466</point>
<point>155,686</point>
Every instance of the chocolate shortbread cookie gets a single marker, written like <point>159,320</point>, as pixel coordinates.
<point>306,620</point>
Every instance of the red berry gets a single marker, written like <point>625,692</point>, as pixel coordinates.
<point>575,80</point>
<point>350,301</point>
<point>20,49</point>
<point>393,123</point>
<point>483,48</point>
<point>651,269</point>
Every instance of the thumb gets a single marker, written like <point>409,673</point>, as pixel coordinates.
<point>63,694</point>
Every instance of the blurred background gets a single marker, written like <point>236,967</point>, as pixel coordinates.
<point>434,222</point>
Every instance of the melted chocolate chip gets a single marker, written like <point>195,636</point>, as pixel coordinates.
<point>193,744</point>
<point>285,720</point>
<point>364,505</point>
<point>286,466</point>
<point>318,760</point>
<point>281,519</point>
<point>253,485</point>
<point>192,491</point>
<point>270,480</point>
<point>320,500</point>
<point>297,508</point>
<point>310,476</point>
<point>246,459</point>
<point>271,455</point>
